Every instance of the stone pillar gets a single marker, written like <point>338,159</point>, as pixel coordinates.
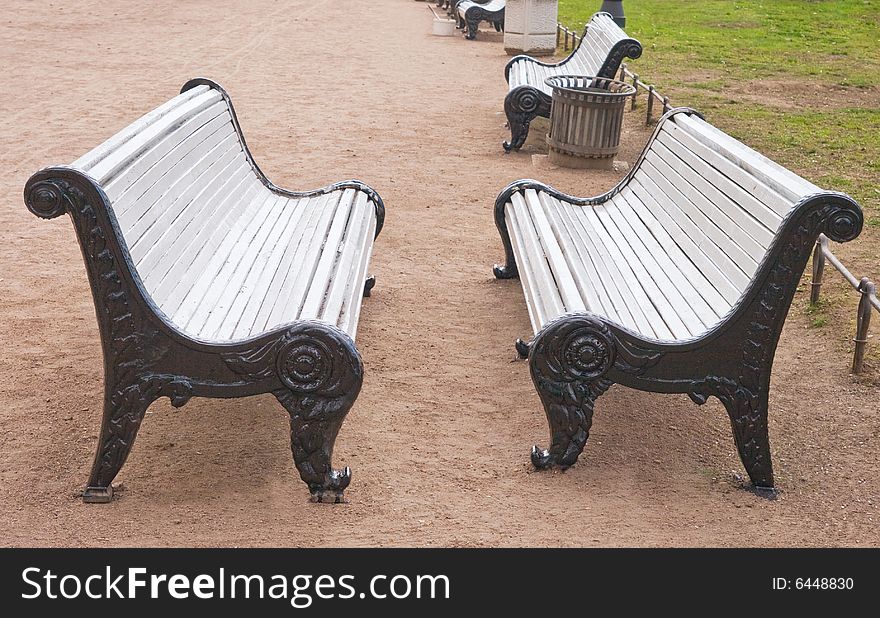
<point>530,27</point>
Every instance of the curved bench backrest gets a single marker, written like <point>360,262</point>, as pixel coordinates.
<point>715,197</point>
<point>493,5</point>
<point>171,176</point>
<point>601,34</point>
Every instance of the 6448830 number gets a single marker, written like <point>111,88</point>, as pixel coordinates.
<point>824,583</point>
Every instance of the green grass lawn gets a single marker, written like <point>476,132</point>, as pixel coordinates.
<point>707,53</point>
<point>798,80</point>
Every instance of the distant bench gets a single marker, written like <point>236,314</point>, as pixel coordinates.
<point>208,280</point>
<point>678,280</point>
<point>599,54</point>
<point>470,13</point>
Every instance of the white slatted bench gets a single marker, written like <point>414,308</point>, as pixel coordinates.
<point>210,281</point>
<point>470,13</point>
<point>599,54</point>
<point>678,280</point>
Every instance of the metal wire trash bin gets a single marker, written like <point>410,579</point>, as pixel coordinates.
<point>585,120</point>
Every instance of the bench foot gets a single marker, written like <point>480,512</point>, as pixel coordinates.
<point>748,419</point>
<point>98,495</point>
<point>124,409</point>
<point>522,348</point>
<point>570,422</point>
<point>336,493</point>
<point>568,361</point>
<point>768,493</point>
<point>369,284</point>
<point>323,373</point>
<point>508,271</point>
<point>471,25</point>
<point>522,105</point>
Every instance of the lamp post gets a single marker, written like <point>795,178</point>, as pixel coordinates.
<point>615,7</point>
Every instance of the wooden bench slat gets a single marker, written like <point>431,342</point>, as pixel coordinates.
<point>681,193</point>
<point>780,179</point>
<point>720,262</point>
<point>687,281</point>
<point>168,176</point>
<point>557,215</point>
<point>748,192</point>
<point>349,318</point>
<point>614,305</point>
<point>736,223</point>
<point>224,286</point>
<point>194,297</point>
<point>164,216</point>
<point>149,249</point>
<point>190,252</point>
<point>549,239</point>
<point>276,269</point>
<point>292,294</point>
<point>347,264</point>
<point>147,169</point>
<point>621,271</point>
<point>583,266</point>
<point>682,232</point>
<point>548,297</point>
<point>143,187</point>
<point>257,267</point>
<point>95,155</point>
<point>534,304</point>
<point>625,307</point>
<point>109,166</point>
<point>211,319</point>
<point>278,291</point>
<point>669,317</point>
<point>321,279</point>
<point>536,315</point>
<point>673,300</point>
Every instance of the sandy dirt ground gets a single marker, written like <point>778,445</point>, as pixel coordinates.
<point>439,439</point>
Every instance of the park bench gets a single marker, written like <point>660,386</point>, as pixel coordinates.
<point>210,281</point>
<point>677,280</point>
<point>598,54</point>
<point>470,13</point>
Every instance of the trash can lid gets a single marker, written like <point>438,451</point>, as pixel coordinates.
<point>590,83</point>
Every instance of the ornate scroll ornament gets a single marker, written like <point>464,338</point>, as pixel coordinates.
<point>625,48</point>
<point>568,362</point>
<point>46,199</point>
<point>521,106</point>
<point>309,357</point>
<point>321,374</point>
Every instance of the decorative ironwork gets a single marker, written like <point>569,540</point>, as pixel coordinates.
<point>321,373</point>
<point>474,14</point>
<point>577,357</point>
<point>312,368</point>
<point>522,105</point>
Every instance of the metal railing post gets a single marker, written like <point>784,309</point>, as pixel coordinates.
<point>818,271</point>
<point>650,104</point>
<point>863,321</point>
<point>636,95</point>
<point>622,71</point>
<point>557,35</point>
